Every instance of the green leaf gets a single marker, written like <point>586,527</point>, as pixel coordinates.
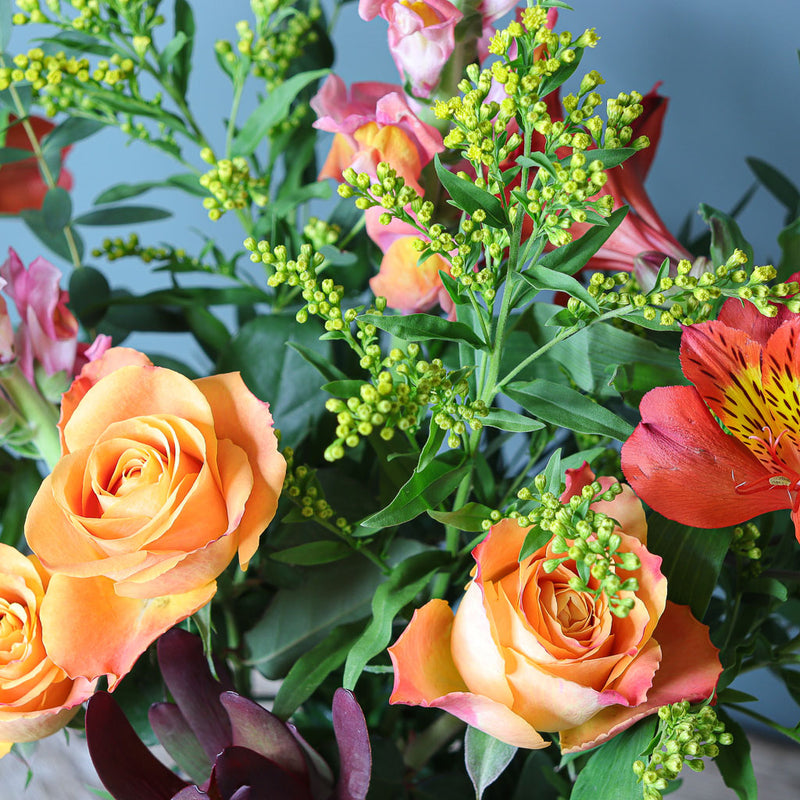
<point>124,191</point>
<point>734,762</point>
<point>469,197</point>
<point>8,155</point>
<point>563,406</point>
<point>21,484</point>
<point>278,374</point>
<point>634,380</point>
<point>469,517</point>
<point>789,240</point>
<point>543,278</point>
<point>540,160</point>
<point>575,255</point>
<point>535,539</point>
<point>56,209</point>
<point>310,670</point>
<point>609,772</point>
<point>72,130</point>
<point>89,294</point>
<point>691,559</point>
<point>6,25</point>
<point>171,51</point>
<point>313,553</point>
<point>611,158</point>
<point>423,490</point>
<point>271,111</point>
<point>563,73</point>
<point>432,445</point>
<point>407,579</point>
<point>55,240</point>
<point>184,24</point>
<point>422,327</point>
<point>725,235</point>
<point>510,421</point>
<point>486,759</point>
<point>343,389</point>
<point>778,185</point>
<point>210,332</point>
<point>325,368</point>
<point>122,215</point>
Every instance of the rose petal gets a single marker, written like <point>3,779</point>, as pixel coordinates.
<point>689,670</point>
<point>89,630</point>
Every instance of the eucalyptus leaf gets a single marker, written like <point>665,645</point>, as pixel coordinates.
<point>563,406</point>
<point>469,197</point>
<point>8,155</point>
<point>56,209</point>
<point>55,240</point>
<point>422,327</point>
<point>122,215</point>
<point>72,130</point>
<point>486,759</point>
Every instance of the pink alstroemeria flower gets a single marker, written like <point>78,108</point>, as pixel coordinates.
<point>373,122</point>
<point>48,331</point>
<point>679,460</point>
<point>421,37</point>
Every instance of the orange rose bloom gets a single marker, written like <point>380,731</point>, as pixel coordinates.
<point>162,481</point>
<point>37,698</point>
<point>527,653</point>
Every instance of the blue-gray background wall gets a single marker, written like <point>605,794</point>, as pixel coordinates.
<point>729,67</point>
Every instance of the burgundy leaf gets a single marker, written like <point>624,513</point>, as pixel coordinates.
<point>320,775</point>
<point>355,756</point>
<point>245,793</point>
<point>196,692</point>
<point>125,766</point>
<point>257,729</point>
<point>175,735</point>
<point>237,767</point>
<point>191,793</point>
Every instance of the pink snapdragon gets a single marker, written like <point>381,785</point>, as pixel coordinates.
<point>421,37</point>
<point>373,122</point>
<point>48,331</point>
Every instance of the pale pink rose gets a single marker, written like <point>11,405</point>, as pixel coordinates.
<point>48,331</point>
<point>421,37</point>
<point>373,122</point>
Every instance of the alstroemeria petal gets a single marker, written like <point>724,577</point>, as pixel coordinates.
<point>689,670</point>
<point>124,764</point>
<point>682,464</point>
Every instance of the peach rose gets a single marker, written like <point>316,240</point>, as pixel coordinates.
<point>527,653</point>
<point>37,698</point>
<point>161,482</point>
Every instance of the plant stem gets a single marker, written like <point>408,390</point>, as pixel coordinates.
<point>431,740</point>
<point>791,733</point>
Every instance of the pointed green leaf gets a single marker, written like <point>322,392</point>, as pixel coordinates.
<point>312,553</point>
<point>423,490</point>
<point>72,130</point>
<point>538,159</point>
<point>611,158</point>
<point>271,111</point>
<point>563,406</point>
<point>328,370</point>
<point>469,517</point>
<point>469,197</point>
<point>543,278</point>
<point>691,559</point>
<point>734,762</point>
<point>171,51</point>
<point>8,155</point>
<point>404,584</point>
<point>122,215</point>
<point>510,421</point>
<point>184,25</point>
<point>726,235</point>
<point>777,184</point>
<point>609,772</point>
<point>486,759</point>
<point>421,327</point>
<point>535,539</point>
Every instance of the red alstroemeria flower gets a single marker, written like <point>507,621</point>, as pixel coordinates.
<point>679,460</point>
<point>21,185</point>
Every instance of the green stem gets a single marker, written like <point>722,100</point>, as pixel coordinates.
<point>791,733</point>
<point>43,165</point>
<point>431,740</point>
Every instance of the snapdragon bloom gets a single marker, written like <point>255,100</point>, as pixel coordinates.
<point>421,37</point>
<point>373,122</point>
<point>48,331</point>
<point>745,368</point>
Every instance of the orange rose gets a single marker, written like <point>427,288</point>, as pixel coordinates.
<point>161,482</point>
<point>527,653</point>
<point>37,698</point>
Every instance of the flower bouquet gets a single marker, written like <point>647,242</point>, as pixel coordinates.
<point>479,484</point>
